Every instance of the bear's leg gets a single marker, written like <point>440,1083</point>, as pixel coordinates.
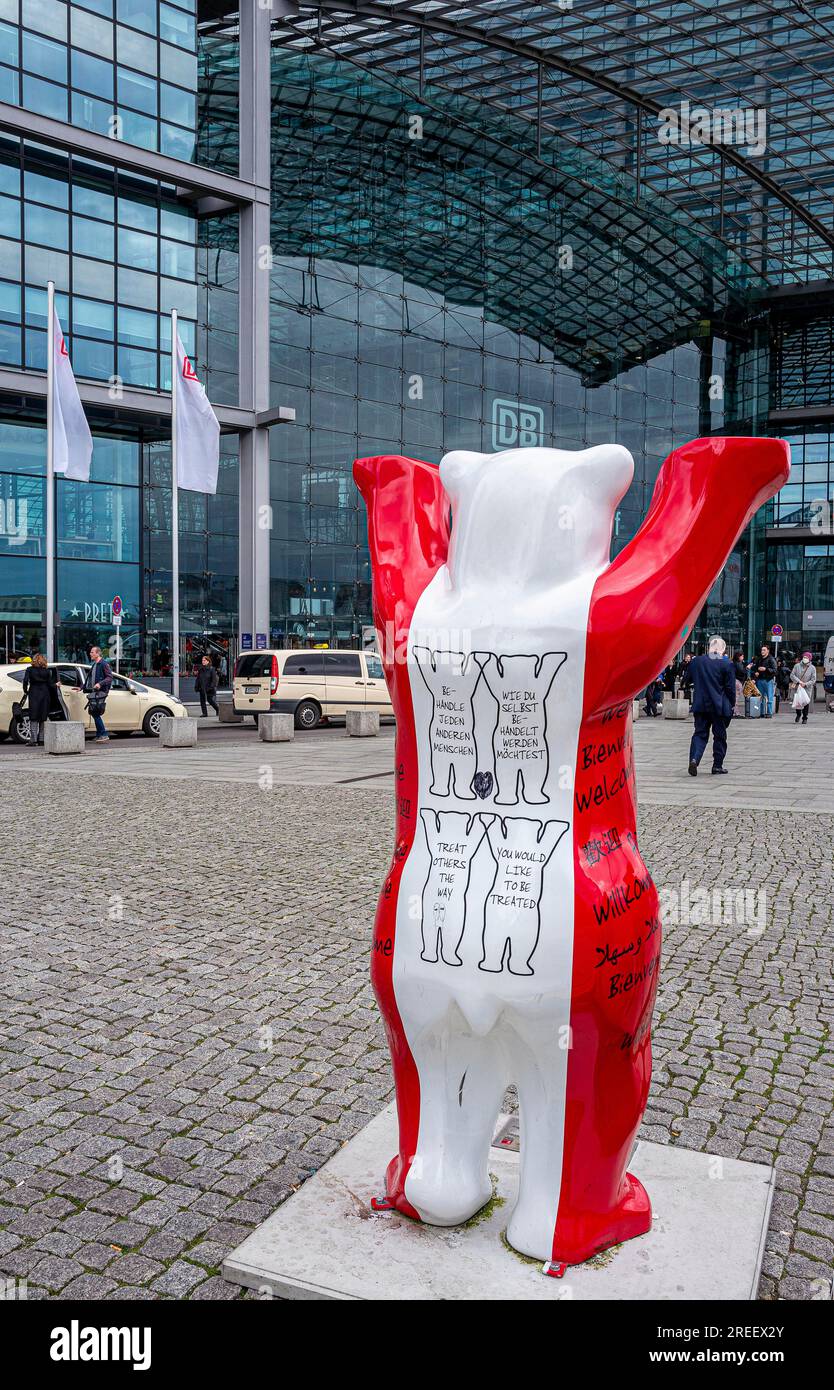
<point>533,779</point>
<point>539,1069</point>
<point>462,1082</point>
<point>506,784</point>
<point>496,943</point>
<point>523,941</point>
<point>510,940</point>
<point>441,772</point>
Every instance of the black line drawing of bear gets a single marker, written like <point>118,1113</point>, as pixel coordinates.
<point>522,849</point>
<point>451,679</point>
<point>520,685</point>
<point>453,838</point>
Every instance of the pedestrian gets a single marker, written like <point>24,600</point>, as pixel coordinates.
<point>714,695</point>
<point>764,674</point>
<point>783,682</point>
<point>97,685</point>
<point>804,684</point>
<point>653,693</point>
<point>206,685</point>
<point>38,680</point>
<point>742,704</point>
<point>685,677</point>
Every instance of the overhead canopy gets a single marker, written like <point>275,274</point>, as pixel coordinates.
<point>457,197</point>
<point>597,73</point>
<point>541,141</point>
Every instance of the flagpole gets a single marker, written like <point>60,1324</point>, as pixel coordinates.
<point>175,518</point>
<point>50,472</point>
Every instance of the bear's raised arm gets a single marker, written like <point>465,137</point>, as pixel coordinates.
<point>408,536</point>
<point>644,604</point>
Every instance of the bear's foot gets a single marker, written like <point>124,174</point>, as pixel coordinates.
<point>446,1199</point>
<point>582,1235</point>
<point>434,1196</point>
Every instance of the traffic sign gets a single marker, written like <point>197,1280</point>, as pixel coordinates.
<point>777,630</point>
<point>260,641</point>
<point>116,606</point>
<point>246,641</point>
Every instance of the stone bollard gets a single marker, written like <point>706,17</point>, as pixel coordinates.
<point>638,709</point>
<point>361,723</point>
<point>675,709</point>
<point>63,736</point>
<point>276,728</point>
<point>178,733</point>
<point>227,714</point>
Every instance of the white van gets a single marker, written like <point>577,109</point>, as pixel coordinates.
<point>312,685</point>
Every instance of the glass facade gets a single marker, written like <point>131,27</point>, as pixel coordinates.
<point>122,252</point>
<point>126,69</point>
<point>114,537</point>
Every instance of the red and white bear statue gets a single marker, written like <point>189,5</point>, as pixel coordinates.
<point>517,938</point>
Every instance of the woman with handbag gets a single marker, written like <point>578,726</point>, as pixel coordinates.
<point>804,682</point>
<point>37,685</point>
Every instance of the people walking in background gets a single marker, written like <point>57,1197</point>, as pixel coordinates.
<point>685,677</point>
<point>37,682</point>
<point>97,685</point>
<point>764,674</point>
<point>713,701</point>
<point>742,704</point>
<point>206,685</point>
<point>653,693</point>
<point>783,682</point>
<point>804,685</point>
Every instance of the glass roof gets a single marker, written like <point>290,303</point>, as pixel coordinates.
<point>595,75</point>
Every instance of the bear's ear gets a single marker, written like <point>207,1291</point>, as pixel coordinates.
<point>457,471</point>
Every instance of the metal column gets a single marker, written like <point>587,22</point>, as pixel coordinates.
<point>255,264</point>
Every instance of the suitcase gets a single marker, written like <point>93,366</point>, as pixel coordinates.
<point>754,705</point>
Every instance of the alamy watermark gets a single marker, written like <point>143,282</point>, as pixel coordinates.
<point>686,906</point>
<point>686,125</point>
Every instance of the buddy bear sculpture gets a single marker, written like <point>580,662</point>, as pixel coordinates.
<point>517,937</point>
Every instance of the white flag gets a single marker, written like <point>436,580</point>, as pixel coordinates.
<point>198,430</point>
<point>72,443</point>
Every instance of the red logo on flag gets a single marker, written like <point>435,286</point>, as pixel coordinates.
<point>63,347</point>
<point>188,371</point>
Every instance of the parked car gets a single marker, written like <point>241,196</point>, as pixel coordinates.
<point>311,685</point>
<point>131,707</point>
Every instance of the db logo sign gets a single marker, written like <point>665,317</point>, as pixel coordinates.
<point>516,426</point>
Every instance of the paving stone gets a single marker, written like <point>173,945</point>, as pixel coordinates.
<point>134,1269</point>
<point>179,1279</point>
<point>89,1286</point>
<point>54,1272</point>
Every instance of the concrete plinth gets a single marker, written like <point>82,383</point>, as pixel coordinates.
<point>706,1241</point>
<point>227,714</point>
<point>63,736</point>
<point>638,709</point>
<point>675,709</point>
<point>361,723</point>
<point>178,733</point>
<point>276,728</point>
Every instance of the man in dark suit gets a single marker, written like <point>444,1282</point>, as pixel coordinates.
<point>714,686</point>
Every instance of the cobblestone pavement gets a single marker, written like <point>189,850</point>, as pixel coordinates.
<point>187,1029</point>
